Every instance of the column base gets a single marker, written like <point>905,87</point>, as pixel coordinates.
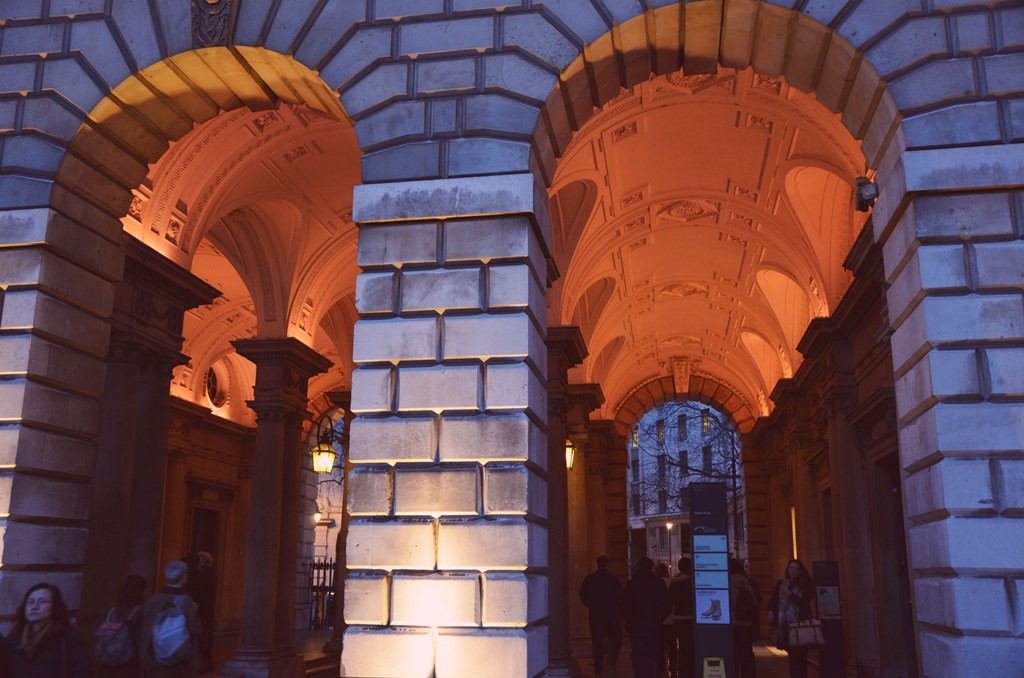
<point>288,666</point>
<point>562,668</point>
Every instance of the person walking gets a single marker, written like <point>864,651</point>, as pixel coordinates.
<point>646,606</point>
<point>744,603</point>
<point>164,609</point>
<point>666,664</point>
<point>42,643</point>
<point>202,587</point>
<point>790,603</point>
<point>601,593</point>
<point>127,611</point>
<point>680,593</point>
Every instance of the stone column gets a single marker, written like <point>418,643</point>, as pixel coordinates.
<point>128,486</point>
<point>447,546</point>
<point>601,434</point>
<point>949,221</point>
<point>566,349</point>
<point>283,368</point>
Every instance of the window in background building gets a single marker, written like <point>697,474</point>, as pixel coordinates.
<point>662,466</point>
<point>636,437</point>
<point>636,469</point>
<point>661,431</point>
<point>684,464</point>
<point>636,501</point>
<point>705,421</point>
<point>707,459</point>
<point>662,501</point>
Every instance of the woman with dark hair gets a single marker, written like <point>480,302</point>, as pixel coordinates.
<point>790,603</point>
<point>43,643</point>
<point>127,612</point>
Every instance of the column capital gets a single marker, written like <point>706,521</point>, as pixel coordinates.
<point>283,368</point>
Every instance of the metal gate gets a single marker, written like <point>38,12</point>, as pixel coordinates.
<point>321,594</point>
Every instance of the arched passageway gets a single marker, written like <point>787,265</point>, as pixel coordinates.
<point>465,112</point>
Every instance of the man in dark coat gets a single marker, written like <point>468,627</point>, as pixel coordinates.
<point>601,593</point>
<point>646,604</point>
<point>680,592</point>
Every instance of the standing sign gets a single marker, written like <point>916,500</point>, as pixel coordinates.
<point>709,520</point>
<point>826,586</point>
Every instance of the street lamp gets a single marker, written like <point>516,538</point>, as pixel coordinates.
<point>668,526</point>
<point>328,445</point>
<point>570,453</point>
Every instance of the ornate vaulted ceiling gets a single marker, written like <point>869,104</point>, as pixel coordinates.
<point>700,223</point>
<point>258,204</point>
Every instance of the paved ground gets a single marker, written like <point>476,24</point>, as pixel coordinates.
<point>771,663</point>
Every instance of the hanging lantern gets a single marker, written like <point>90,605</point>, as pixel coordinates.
<point>570,453</point>
<point>324,453</point>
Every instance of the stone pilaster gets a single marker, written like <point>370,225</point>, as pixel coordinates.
<point>566,349</point>
<point>447,548</point>
<point>283,368</point>
<point>128,485</point>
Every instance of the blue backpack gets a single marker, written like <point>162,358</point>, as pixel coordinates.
<point>171,641</point>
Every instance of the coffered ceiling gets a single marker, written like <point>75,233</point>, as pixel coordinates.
<point>703,220</point>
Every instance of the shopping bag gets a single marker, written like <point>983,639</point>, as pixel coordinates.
<point>806,633</point>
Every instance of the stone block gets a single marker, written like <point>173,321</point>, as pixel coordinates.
<point>47,115</point>
<point>24,40</point>
<point>491,336</point>
<point>437,492</point>
<point>1015,109</point>
<point>46,498</point>
<point>17,77</point>
<point>916,40</point>
<point>487,239</point>
<point>999,265</point>
<point>466,5</point>
<point>27,544</point>
<point>8,114</point>
<point>439,388</point>
<point>366,599</point>
<point>51,403</point>
<point>515,286</point>
<point>490,544</point>
<point>395,340</point>
<point>393,440</point>
<point>68,77</point>
<point>366,46</point>
<point>488,438</point>
<point>405,545</point>
<point>441,289</point>
<point>497,113</point>
<point>961,429</point>
<point>417,160</point>
<point>939,375</point>
<point>514,490</point>
<point>370,492</point>
<point>386,653</point>
<point>45,451</point>
<point>76,7</point>
<point>455,35</point>
<point>398,244</point>
<point>940,320</point>
<point>401,121</point>
<point>976,546</point>
<point>1004,73</point>
<point>973,32</point>
<point>485,155</point>
<point>1011,19</point>
<point>963,168</point>
<point>397,9</point>
<point>384,83</point>
<point>1010,477</point>
<point>446,75</point>
<point>970,604</point>
<point>534,34</point>
<point>963,215</point>
<point>515,73</point>
<point>372,390</point>
<point>519,652</point>
<point>934,83</point>
<point>954,656</point>
<point>958,486</point>
<point>1006,371</point>
<point>514,387</point>
<point>31,308</point>
<point>444,198</point>
<point>513,599</point>
<point>376,292</point>
<point>443,116</point>
<point>436,600</point>
<point>930,268</point>
<point>972,123</point>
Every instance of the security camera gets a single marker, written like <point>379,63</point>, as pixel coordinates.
<point>867,194</point>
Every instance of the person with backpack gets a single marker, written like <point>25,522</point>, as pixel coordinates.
<point>119,635</point>
<point>745,618</point>
<point>170,628</point>
<point>43,643</point>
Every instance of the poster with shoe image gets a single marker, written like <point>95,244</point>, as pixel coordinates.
<point>712,606</point>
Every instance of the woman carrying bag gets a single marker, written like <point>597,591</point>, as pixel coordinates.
<point>791,603</point>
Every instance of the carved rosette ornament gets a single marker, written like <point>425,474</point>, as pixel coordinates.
<point>211,22</point>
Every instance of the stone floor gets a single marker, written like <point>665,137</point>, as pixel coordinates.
<point>771,663</point>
